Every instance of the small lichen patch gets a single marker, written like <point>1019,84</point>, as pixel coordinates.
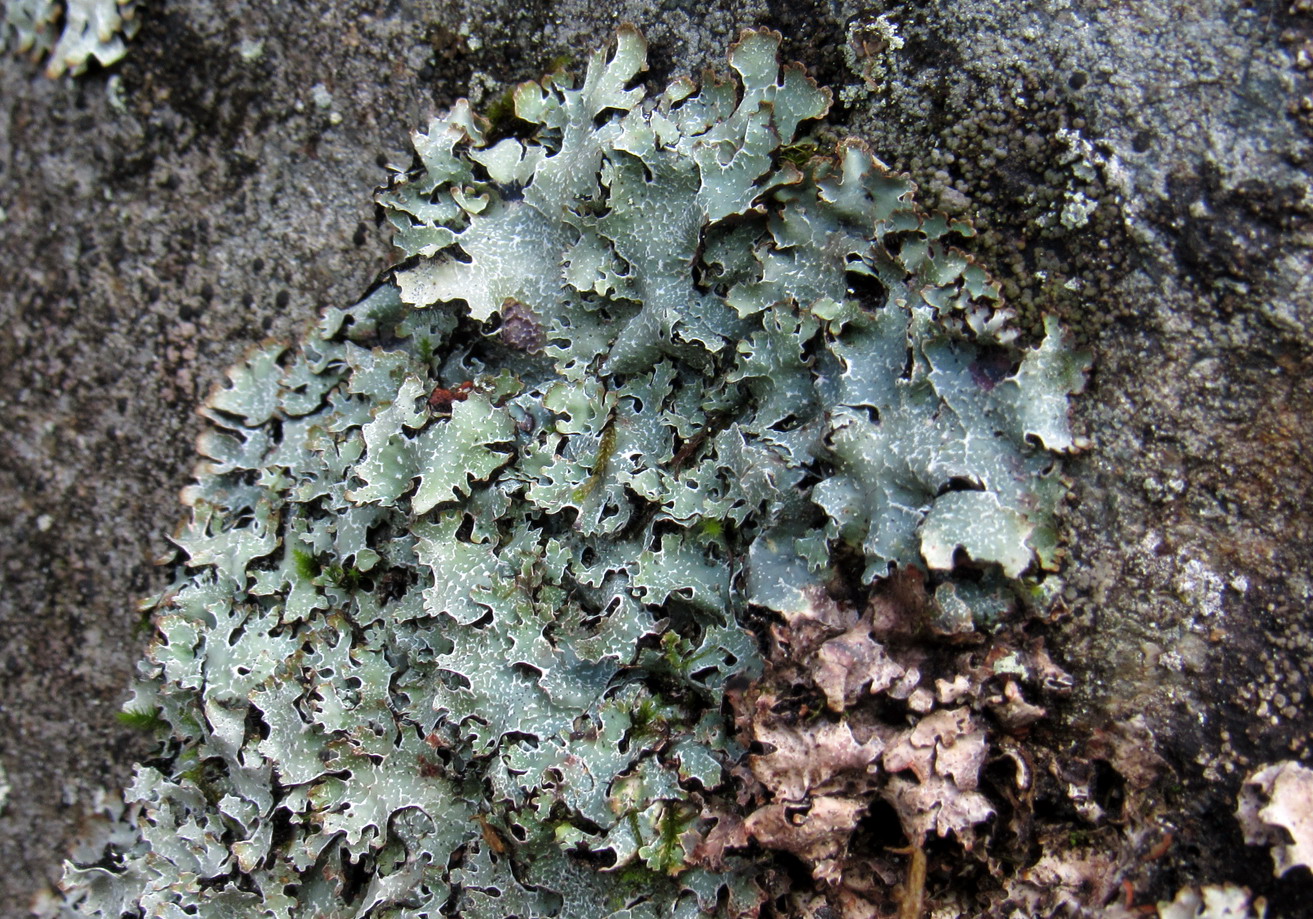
<point>1213,901</point>
<point>69,35</point>
<point>1276,809</point>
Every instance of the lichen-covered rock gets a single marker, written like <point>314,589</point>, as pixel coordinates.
<point>1276,809</point>
<point>467,572</point>
<point>1213,901</point>
<point>69,34</point>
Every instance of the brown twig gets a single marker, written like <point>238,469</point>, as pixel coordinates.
<point>912,902</point>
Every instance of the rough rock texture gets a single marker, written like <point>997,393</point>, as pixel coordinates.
<point>1139,168</point>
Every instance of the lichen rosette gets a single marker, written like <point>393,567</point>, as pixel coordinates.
<point>468,570</point>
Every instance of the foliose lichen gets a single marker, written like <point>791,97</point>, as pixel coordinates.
<point>71,33</point>
<point>468,571</point>
<point>1275,808</point>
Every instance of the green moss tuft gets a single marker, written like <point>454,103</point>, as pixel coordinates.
<point>141,719</point>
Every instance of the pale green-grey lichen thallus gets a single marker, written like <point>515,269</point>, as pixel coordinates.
<point>467,658</point>
<point>70,34</point>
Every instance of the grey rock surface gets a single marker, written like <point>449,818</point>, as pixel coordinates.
<point>1139,168</point>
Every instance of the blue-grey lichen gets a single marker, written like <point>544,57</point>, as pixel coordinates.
<point>70,34</point>
<point>467,572</point>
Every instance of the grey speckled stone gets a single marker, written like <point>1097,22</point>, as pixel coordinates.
<point>1187,126</point>
<point>202,195</point>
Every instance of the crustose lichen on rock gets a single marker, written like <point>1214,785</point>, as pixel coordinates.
<point>473,574</point>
